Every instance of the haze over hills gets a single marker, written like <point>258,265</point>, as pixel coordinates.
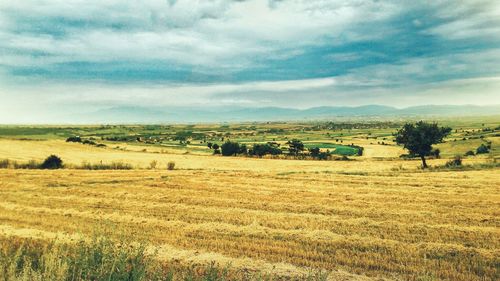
<point>128,114</point>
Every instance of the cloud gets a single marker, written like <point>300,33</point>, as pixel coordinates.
<point>203,34</point>
<point>258,53</point>
<point>469,20</point>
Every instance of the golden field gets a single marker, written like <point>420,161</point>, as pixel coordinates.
<point>366,219</point>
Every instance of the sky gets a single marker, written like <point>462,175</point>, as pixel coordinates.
<point>63,56</point>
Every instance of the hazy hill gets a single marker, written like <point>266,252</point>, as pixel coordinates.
<point>221,114</point>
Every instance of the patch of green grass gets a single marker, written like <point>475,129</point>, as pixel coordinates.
<point>337,149</point>
<point>345,150</point>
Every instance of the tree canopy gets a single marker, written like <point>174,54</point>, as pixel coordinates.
<point>419,137</point>
<point>295,146</point>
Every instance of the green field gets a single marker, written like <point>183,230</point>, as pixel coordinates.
<point>336,137</point>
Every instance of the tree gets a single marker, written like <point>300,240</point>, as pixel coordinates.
<point>314,151</point>
<point>263,149</point>
<point>243,149</point>
<point>230,148</point>
<point>418,138</point>
<point>295,146</point>
<point>183,136</point>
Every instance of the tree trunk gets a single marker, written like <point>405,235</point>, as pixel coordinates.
<point>424,164</point>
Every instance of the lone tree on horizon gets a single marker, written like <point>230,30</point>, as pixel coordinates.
<point>418,138</point>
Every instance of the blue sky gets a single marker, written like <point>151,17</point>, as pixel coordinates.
<point>72,55</point>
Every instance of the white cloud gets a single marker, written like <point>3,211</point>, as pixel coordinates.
<point>223,37</point>
<point>469,20</point>
<point>215,34</point>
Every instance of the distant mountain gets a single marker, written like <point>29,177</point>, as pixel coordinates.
<point>239,114</point>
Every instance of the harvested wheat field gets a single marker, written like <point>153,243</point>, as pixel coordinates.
<point>377,224</point>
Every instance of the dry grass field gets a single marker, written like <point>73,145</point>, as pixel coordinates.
<point>375,217</point>
<point>358,220</point>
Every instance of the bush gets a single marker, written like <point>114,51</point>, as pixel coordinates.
<point>455,162</point>
<point>89,142</point>
<point>482,149</point>
<point>52,162</point>
<point>436,153</point>
<point>32,164</point>
<point>74,139</point>
<point>4,164</point>
<point>113,166</point>
<point>152,164</point>
<point>171,165</point>
<point>360,150</point>
<point>470,153</point>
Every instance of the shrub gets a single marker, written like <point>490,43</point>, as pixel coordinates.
<point>152,164</point>
<point>455,162</point>
<point>32,164</point>
<point>171,165</point>
<point>469,153</point>
<point>4,163</point>
<point>89,142</point>
<point>113,166</point>
<point>74,139</point>
<point>482,149</point>
<point>52,162</point>
<point>118,165</point>
<point>360,150</point>
<point>436,153</point>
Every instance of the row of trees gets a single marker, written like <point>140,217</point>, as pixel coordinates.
<point>295,148</point>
